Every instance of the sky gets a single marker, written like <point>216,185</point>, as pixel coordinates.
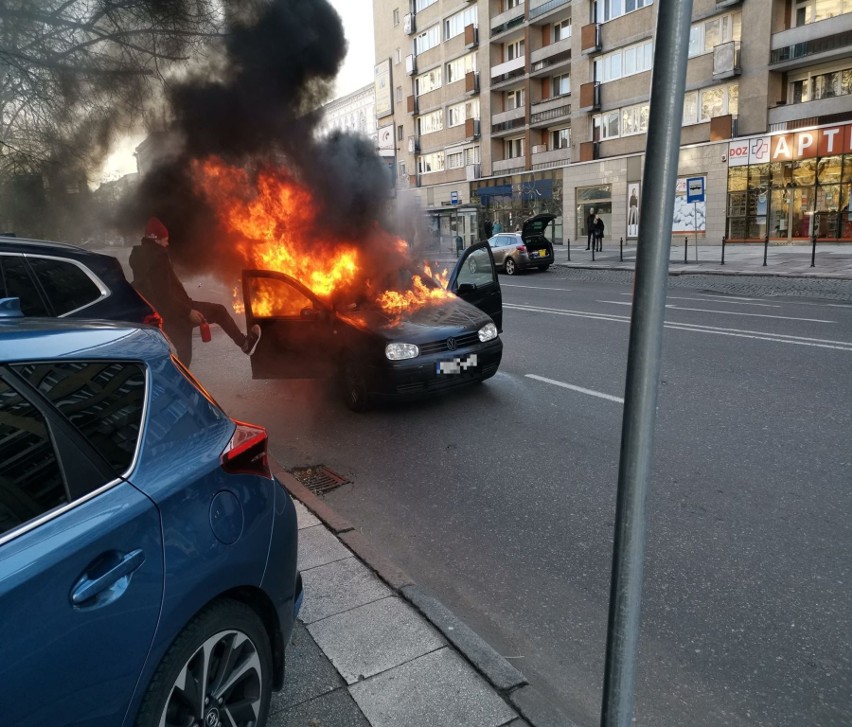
<point>356,72</point>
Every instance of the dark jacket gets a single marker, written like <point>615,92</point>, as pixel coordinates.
<point>599,227</point>
<point>155,279</point>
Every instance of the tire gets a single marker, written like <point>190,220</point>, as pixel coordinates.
<point>511,268</point>
<point>353,385</point>
<point>543,267</point>
<point>227,642</point>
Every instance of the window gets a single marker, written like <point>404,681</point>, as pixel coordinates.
<point>625,62</point>
<point>812,11</point>
<point>513,4</point>
<point>561,30</point>
<point>634,119</point>
<point>31,483</point>
<point>420,4</point>
<point>67,285</point>
<point>459,113</point>
<point>471,155</point>
<point>455,160</point>
<point>400,133</point>
<point>397,56</point>
<point>395,17</point>
<point>515,148</point>
<point>102,399</point>
<point>514,99</point>
<point>429,163</point>
<point>19,284</point>
<point>560,138</point>
<point>459,67</point>
<point>399,94</point>
<point>426,82</point>
<point>701,106</point>
<point>813,86</point>
<point>402,173</point>
<point>511,51</point>
<point>706,35</point>
<point>561,85</point>
<point>604,10</point>
<point>455,24</point>
<point>429,38</point>
<point>606,126</point>
<point>431,122</point>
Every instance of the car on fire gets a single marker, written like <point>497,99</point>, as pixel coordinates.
<point>148,556</point>
<point>450,343</point>
<point>529,248</point>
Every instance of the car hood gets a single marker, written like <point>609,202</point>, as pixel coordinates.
<point>440,319</point>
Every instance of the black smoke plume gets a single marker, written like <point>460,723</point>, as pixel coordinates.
<point>257,105</point>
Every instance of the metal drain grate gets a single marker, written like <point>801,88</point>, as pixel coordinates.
<point>319,479</point>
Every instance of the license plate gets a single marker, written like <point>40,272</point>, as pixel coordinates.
<point>457,365</point>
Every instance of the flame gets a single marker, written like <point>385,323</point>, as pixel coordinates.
<point>276,225</point>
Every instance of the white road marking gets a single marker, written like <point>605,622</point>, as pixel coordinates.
<point>580,389</point>
<point>697,328</point>
<point>724,312</point>
<point>722,300</point>
<point>536,287</point>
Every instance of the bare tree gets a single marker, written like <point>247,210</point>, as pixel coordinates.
<point>74,74</point>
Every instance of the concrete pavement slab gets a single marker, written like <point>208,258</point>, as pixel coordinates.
<point>439,689</point>
<point>309,673</point>
<point>374,638</point>
<point>335,709</point>
<point>338,587</point>
<point>304,517</point>
<point>318,546</point>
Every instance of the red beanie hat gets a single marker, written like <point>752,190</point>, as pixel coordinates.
<point>155,228</point>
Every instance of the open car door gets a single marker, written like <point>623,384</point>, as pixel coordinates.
<point>474,279</point>
<point>296,339</point>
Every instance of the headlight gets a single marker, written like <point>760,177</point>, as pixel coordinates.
<point>402,351</point>
<point>487,332</point>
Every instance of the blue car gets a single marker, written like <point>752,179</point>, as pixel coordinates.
<point>147,554</point>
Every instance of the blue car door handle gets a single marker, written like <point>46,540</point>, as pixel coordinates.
<point>87,587</point>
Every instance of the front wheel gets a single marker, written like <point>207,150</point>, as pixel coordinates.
<point>217,672</point>
<point>511,268</point>
<point>353,385</point>
<point>544,267</point>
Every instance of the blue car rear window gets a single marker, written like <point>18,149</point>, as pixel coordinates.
<point>104,400</point>
<point>65,284</point>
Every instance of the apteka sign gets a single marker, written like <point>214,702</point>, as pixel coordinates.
<point>827,141</point>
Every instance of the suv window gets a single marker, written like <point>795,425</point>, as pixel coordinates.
<point>30,480</point>
<point>15,277</point>
<point>65,283</point>
<point>104,400</point>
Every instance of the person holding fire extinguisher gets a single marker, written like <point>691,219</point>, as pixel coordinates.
<point>156,280</point>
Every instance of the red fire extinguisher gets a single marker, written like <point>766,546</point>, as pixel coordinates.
<point>205,331</point>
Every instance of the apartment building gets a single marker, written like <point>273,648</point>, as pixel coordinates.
<point>505,108</point>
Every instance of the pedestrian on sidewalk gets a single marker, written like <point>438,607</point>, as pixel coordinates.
<point>590,228</point>
<point>155,278</point>
<point>599,233</point>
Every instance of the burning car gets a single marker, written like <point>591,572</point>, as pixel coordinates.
<point>419,340</point>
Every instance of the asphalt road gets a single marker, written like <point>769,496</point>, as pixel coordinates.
<point>500,500</point>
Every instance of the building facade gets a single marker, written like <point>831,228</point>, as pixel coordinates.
<point>503,108</point>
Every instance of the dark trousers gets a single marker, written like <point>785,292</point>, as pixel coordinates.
<point>599,242</point>
<point>180,332</point>
<point>591,239</point>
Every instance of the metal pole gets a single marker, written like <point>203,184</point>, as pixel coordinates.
<point>765,248</point>
<point>813,248</point>
<point>643,359</point>
<point>723,249</point>
<point>621,249</point>
<point>685,249</point>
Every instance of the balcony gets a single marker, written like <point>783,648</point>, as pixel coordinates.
<point>504,69</point>
<point>410,64</point>
<point>560,46</point>
<point>471,36</point>
<point>412,104</point>
<point>471,83</point>
<point>544,159</point>
<point>726,60</point>
<point>550,111</point>
<point>408,24</point>
<point>826,108</point>
<point>506,166</point>
<point>826,40</point>
<point>471,129</point>
<point>590,96</point>
<point>507,21</point>
<point>546,7</point>
<point>504,117</point>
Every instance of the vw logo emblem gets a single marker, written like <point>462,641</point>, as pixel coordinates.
<point>451,344</point>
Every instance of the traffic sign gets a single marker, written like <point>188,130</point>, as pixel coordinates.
<point>454,197</point>
<point>695,189</point>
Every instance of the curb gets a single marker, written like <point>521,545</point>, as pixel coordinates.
<point>504,678</point>
<point>700,271</point>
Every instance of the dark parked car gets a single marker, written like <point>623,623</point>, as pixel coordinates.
<point>147,554</point>
<point>529,248</point>
<point>448,343</point>
<point>61,280</point>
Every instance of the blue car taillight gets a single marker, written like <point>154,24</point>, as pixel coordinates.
<point>154,319</point>
<point>246,452</point>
